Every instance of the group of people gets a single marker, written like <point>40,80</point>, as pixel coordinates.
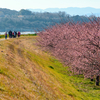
<point>13,34</point>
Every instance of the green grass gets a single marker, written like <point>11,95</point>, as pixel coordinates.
<point>85,86</point>
<point>2,36</point>
<point>85,89</point>
<point>56,69</point>
<point>28,34</point>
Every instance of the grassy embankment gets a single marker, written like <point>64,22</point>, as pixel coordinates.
<point>28,73</point>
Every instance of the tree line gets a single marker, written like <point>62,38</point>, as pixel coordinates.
<point>77,45</point>
<point>25,20</point>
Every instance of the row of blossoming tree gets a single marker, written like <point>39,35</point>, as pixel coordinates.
<point>77,45</point>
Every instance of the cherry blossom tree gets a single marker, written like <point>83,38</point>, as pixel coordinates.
<point>76,45</point>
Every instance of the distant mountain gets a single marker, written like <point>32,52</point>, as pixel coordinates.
<point>71,10</point>
<point>26,20</point>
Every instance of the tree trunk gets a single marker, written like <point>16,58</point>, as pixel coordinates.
<point>91,77</point>
<point>97,80</point>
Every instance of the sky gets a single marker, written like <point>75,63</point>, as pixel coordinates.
<point>43,4</point>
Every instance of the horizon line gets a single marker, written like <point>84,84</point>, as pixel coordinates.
<point>48,8</point>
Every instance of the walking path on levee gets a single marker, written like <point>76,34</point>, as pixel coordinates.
<point>3,39</point>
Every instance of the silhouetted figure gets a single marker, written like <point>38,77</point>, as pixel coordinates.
<point>19,34</point>
<point>14,34</point>
<point>10,34</point>
<point>5,35</point>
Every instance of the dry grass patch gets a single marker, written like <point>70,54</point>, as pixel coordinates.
<point>32,73</point>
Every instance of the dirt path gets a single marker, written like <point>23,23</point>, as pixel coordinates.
<point>3,39</point>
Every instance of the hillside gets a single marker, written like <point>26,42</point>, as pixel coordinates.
<point>25,20</point>
<point>71,10</point>
<point>28,73</point>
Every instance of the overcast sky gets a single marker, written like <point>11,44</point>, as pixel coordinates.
<point>43,4</point>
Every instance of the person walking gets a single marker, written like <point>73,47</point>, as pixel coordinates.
<point>10,34</point>
<point>5,35</point>
<point>13,34</point>
<point>19,34</point>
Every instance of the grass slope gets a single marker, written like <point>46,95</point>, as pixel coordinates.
<point>28,73</point>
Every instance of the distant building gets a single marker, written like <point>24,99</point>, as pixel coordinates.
<point>20,16</point>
